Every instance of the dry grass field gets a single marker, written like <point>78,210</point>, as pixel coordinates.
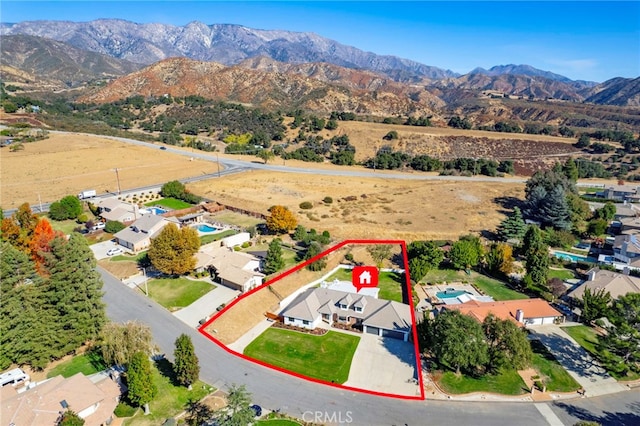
<point>67,164</point>
<point>378,207</point>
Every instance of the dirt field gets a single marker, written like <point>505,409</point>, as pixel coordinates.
<point>67,164</point>
<point>383,208</point>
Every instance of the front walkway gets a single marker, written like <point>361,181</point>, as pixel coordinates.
<point>206,305</point>
<point>577,361</point>
<point>250,335</point>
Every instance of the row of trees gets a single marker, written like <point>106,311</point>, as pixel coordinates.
<point>176,189</point>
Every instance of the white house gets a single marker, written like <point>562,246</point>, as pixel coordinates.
<point>137,236</point>
<point>119,211</point>
<point>238,270</point>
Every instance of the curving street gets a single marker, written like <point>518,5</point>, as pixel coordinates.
<point>323,404</point>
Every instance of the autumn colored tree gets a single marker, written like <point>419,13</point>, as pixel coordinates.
<point>172,251</point>
<point>281,220</point>
<point>40,244</point>
<point>18,230</point>
<point>500,259</point>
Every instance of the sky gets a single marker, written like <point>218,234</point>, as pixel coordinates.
<point>583,40</point>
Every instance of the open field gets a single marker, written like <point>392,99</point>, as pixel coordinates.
<point>327,357</point>
<point>66,164</point>
<point>382,208</point>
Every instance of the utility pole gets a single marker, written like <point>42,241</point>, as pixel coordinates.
<point>218,161</point>
<point>40,202</point>
<point>146,289</point>
<point>118,179</point>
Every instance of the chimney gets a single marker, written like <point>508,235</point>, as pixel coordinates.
<point>591,275</point>
<point>520,315</point>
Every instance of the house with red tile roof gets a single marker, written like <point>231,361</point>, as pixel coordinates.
<point>524,312</point>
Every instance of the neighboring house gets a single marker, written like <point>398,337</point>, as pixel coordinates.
<point>525,312</point>
<point>236,240</point>
<point>118,211</point>
<point>93,400</point>
<point>617,284</point>
<point>620,193</point>
<point>630,225</point>
<point>137,236</point>
<point>238,270</point>
<point>626,249</point>
<point>626,210</point>
<point>384,318</point>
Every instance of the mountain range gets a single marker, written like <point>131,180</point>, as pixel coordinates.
<point>74,53</point>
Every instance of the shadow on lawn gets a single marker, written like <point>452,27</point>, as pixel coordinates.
<point>165,367</point>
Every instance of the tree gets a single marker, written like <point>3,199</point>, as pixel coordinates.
<point>198,413</point>
<point>300,233</point>
<point>70,418</point>
<point>583,141</point>
<point>423,257</point>
<point>379,253</point>
<point>595,304</point>
<point>606,212</point>
<point>579,212</point>
<point>554,210</point>
<point>265,155</point>
<point>238,411</point>
<point>113,226</point>
<point>464,254</point>
<point>597,227</point>
<point>173,251</point>
<point>314,250</point>
<point>390,136</point>
<point>18,229</point>
<point>274,262</point>
<point>513,227</point>
<point>500,259</point>
<point>281,220</point>
<point>556,286</point>
<point>570,170</point>
<point>142,390</point>
<point>186,365</point>
<point>118,342</point>
<point>40,245</point>
<point>620,348</point>
<point>72,206</point>
<point>536,259</point>
<point>507,344</point>
<point>173,189</point>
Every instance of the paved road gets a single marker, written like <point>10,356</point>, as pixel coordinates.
<point>303,399</point>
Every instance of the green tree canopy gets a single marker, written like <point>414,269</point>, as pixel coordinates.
<point>536,258</point>
<point>172,251</point>
<point>274,262</point>
<point>595,304</point>
<point>142,390</point>
<point>465,253</point>
<point>238,411</point>
<point>507,344</point>
<point>172,189</point>
<point>314,250</point>
<point>513,227</point>
<point>70,418</point>
<point>620,348</point>
<point>118,342</point>
<point>185,366</point>
<point>423,257</point>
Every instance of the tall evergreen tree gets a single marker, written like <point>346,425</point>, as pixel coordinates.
<point>554,210</point>
<point>238,411</point>
<point>570,170</point>
<point>513,227</point>
<point>621,346</point>
<point>274,262</point>
<point>186,364</point>
<point>142,390</point>
<point>75,289</point>
<point>537,258</point>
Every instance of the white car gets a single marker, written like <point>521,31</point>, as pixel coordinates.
<point>114,251</point>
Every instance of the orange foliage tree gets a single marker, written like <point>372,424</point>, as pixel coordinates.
<point>40,243</point>
<point>18,230</point>
<point>281,220</point>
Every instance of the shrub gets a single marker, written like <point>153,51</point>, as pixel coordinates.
<point>327,200</point>
<point>113,226</point>
<point>124,410</point>
<point>82,218</point>
<point>246,244</point>
<point>306,205</point>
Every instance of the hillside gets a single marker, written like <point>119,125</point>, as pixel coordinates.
<point>617,91</point>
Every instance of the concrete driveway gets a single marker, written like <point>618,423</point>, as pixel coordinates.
<point>577,361</point>
<point>100,249</point>
<point>384,365</point>
<point>206,305</point>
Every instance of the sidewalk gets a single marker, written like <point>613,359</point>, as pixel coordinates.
<point>250,335</point>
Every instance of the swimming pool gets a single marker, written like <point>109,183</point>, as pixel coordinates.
<point>157,210</point>
<point>574,257</point>
<point>447,294</point>
<point>206,228</point>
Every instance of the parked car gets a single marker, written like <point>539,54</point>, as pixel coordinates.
<point>163,147</point>
<point>98,225</point>
<point>256,409</point>
<point>114,251</point>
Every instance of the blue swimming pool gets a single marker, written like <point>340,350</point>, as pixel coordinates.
<point>206,228</point>
<point>157,210</point>
<point>574,257</point>
<point>447,294</point>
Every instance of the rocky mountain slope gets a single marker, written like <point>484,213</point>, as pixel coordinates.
<point>617,91</point>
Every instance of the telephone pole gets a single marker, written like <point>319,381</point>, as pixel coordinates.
<point>118,179</point>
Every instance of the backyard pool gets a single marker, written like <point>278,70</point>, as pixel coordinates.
<point>157,210</point>
<point>206,228</point>
<point>447,294</point>
<point>573,257</point>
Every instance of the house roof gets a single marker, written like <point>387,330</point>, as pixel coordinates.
<point>120,213</point>
<point>230,265</point>
<point>41,404</point>
<point>615,283</point>
<point>630,240</point>
<point>348,287</point>
<point>506,309</point>
<point>143,228</point>
<point>381,313</point>
<point>627,189</point>
<point>630,222</point>
<point>626,210</point>
<point>112,203</point>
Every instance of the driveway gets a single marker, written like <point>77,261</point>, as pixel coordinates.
<point>577,361</point>
<point>206,305</point>
<point>100,249</point>
<point>384,365</point>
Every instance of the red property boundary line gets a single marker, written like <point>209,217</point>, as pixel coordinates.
<point>409,294</point>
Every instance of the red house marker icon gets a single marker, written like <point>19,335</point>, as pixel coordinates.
<point>364,276</point>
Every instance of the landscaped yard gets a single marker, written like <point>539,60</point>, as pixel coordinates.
<point>170,203</point>
<point>490,286</point>
<point>389,283</point>
<point>238,219</point>
<point>170,400</point>
<point>176,293</point>
<point>554,376</point>
<point>326,357</point>
<point>65,226</point>
<point>277,422</point>
<point>206,239</point>
<point>508,382</point>
<point>563,274</point>
<point>88,363</point>
<point>128,258</point>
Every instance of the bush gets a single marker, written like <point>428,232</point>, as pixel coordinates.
<point>124,410</point>
<point>327,200</point>
<point>113,226</point>
<point>306,205</point>
<point>246,244</point>
<point>82,218</point>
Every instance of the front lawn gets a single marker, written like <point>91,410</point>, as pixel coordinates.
<point>206,239</point>
<point>490,286</point>
<point>508,382</point>
<point>277,422</point>
<point>554,376</point>
<point>171,203</point>
<point>65,226</point>
<point>326,357</point>
<point>176,293</point>
<point>238,219</point>
<point>87,363</point>
<point>389,283</point>
<point>563,274</point>
<point>171,399</point>
<point>128,257</point>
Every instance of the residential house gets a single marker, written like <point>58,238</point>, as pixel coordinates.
<point>626,250</point>
<point>118,211</point>
<point>238,270</point>
<point>626,210</point>
<point>617,284</point>
<point>630,225</point>
<point>137,236</point>
<point>525,312</point>
<point>315,305</point>
<point>620,193</point>
<point>91,399</point>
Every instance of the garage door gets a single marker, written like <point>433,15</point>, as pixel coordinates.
<point>372,330</point>
<point>393,334</point>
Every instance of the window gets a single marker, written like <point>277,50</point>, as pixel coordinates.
<point>291,319</point>
<point>305,322</point>
<point>343,306</point>
<point>342,318</point>
<point>358,309</point>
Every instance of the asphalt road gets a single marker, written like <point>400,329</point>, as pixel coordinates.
<point>324,404</point>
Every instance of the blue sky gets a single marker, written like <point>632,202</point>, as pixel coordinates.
<point>582,40</point>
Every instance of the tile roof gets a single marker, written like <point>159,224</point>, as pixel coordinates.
<point>506,309</point>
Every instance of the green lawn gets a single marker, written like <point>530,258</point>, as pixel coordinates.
<point>563,274</point>
<point>555,377</point>
<point>326,357</point>
<point>277,422</point>
<point>389,283</point>
<point>206,239</point>
<point>170,400</point>
<point>492,287</point>
<point>508,382</point>
<point>88,363</point>
<point>170,203</point>
<point>65,226</point>
<point>234,218</point>
<point>175,293</point>
<point>128,258</point>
